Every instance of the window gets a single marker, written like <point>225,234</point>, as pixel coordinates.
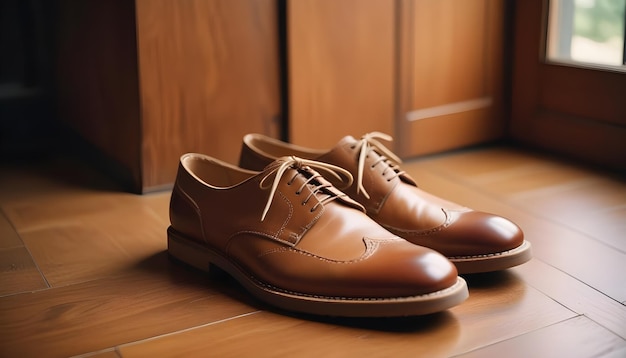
<point>587,33</point>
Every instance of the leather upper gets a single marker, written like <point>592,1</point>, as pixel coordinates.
<point>393,199</point>
<point>313,238</point>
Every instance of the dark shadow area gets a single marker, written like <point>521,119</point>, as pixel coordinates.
<point>497,279</point>
<point>410,324</point>
<point>27,103</point>
<point>62,168</point>
<point>178,273</point>
<point>32,132</point>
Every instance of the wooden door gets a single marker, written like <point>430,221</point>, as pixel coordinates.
<point>450,74</point>
<point>341,68</point>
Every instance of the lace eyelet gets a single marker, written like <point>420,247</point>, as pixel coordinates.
<point>298,192</point>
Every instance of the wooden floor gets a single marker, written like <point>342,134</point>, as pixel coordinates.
<point>85,271</point>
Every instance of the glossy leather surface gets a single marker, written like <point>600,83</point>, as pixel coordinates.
<point>392,198</point>
<point>306,244</point>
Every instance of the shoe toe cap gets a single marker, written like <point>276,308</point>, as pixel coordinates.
<point>468,233</point>
<point>476,233</point>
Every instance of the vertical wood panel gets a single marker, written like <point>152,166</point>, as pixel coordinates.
<point>209,75</point>
<point>450,78</point>
<point>450,44</point>
<point>341,69</point>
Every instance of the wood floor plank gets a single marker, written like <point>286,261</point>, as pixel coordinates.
<point>68,206</point>
<point>159,202</point>
<point>89,235</point>
<point>73,254</point>
<point>51,175</point>
<point>576,337</point>
<point>115,293</point>
<point>574,200</point>
<point>607,225</point>
<point>583,207</point>
<point>587,200</point>
<point>8,236</point>
<point>564,248</point>
<point>155,297</point>
<point>106,353</point>
<point>575,295</point>
<point>483,163</point>
<point>18,272</point>
<point>500,307</point>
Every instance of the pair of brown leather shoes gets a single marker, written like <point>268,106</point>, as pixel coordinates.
<point>292,239</point>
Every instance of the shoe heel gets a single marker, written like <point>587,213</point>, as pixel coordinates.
<point>188,252</point>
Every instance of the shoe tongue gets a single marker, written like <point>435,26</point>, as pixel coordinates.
<point>332,190</point>
<point>346,140</point>
<point>350,140</point>
<point>336,154</point>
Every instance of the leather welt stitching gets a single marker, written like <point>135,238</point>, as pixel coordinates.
<point>289,216</point>
<point>342,298</point>
<point>494,254</point>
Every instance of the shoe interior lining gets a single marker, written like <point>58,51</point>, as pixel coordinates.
<point>215,173</point>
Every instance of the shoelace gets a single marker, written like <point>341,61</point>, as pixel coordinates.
<point>304,167</point>
<point>369,142</point>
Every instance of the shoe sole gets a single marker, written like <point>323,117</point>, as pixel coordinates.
<point>202,257</point>
<point>493,262</point>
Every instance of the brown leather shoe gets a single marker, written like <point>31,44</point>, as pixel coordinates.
<point>295,241</point>
<point>474,241</point>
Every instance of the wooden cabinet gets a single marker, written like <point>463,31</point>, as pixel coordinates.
<point>145,81</point>
<point>148,80</point>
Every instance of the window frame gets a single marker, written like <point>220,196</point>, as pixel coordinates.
<point>576,111</point>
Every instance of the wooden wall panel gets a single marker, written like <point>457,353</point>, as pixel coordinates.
<point>209,75</point>
<point>341,69</point>
<point>450,56</point>
<point>451,74</point>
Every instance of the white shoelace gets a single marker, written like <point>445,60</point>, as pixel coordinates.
<point>304,167</point>
<point>369,142</point>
